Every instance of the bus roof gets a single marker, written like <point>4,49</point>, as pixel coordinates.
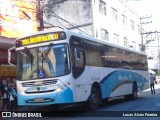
<point>82,35</point>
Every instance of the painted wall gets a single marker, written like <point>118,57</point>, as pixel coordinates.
<point>17,18</point>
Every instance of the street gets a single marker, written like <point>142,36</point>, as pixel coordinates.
<point>115,108</point>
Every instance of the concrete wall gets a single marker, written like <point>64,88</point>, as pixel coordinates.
<point>71,14</point>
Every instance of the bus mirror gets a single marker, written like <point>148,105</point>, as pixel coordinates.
<point>76,54</point>
<point>10,55</point>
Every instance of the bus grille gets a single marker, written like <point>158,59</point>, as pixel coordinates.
<point>39,83</point>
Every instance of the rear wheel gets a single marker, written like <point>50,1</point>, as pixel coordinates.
<point>134,94</point>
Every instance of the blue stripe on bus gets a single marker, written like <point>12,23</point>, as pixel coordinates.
<point>65,96</point>
<point>116,78</point>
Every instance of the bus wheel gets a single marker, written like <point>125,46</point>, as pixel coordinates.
<point>134,94</point>
<point>135,91</point>
<point>94,99</point>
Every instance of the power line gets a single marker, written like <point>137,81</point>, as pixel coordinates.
<point>55,15</point>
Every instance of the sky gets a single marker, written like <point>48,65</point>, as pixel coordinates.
<point>144,8</point>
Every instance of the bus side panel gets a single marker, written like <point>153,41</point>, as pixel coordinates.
<point>113,82</point>
<point>117,82</point>
<point>122,89</point>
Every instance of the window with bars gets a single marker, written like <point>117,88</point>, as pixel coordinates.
<point>116,38</point>
<point>139,29</point>
<point>132,25</point>
<point>124,20</point>
<point>126,43</point>
<point>102,7</point>
<point>104,34</point>
<point>114,14</point>
<point>133,45</point>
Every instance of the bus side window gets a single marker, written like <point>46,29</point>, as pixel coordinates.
<point>78,62</point>
<point>79,58</point>
<point>76,54</point>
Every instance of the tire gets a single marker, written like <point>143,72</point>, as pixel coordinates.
<point>94,99</point>
<point>134,94</point>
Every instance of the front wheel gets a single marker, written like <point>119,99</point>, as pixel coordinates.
<point>94,99</point>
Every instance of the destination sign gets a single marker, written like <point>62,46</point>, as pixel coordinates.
<point>41,38</point>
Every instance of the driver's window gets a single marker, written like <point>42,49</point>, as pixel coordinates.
<point>77,56</point>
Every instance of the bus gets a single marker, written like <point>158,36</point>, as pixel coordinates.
<point>63,67</point>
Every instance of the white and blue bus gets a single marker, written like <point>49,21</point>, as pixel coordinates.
<point>61,67</point>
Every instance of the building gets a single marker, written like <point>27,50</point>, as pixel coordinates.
<point>17,18</point>
<point>104,19</point>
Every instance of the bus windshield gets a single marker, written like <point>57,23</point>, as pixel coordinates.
<point>42,62</point>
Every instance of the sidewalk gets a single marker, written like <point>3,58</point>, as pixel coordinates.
<point>147,92</point>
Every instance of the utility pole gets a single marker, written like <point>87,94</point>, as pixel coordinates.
<point>158,51</point>
<point>40,16</point>
<point>142,33</point>
<point>157,35</point>
<point>158,58</point>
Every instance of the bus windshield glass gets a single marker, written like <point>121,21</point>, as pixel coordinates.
<point>42,62</point>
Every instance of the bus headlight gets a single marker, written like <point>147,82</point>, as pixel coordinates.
<point>58,90</point>
<point>21,92</point>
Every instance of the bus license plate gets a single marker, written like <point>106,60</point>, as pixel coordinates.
<point>39,99</point>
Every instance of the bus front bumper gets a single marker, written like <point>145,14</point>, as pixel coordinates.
<point>65,96</point>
